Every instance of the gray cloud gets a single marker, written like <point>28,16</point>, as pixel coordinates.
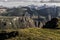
<point>26,0</point>
<point>13,0</point>
<point>18,0</point>
<point>11,3</point>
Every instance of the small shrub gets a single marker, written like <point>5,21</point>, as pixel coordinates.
<point>51,24</point>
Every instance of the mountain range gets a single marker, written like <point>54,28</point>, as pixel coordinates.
<point>32,10</point>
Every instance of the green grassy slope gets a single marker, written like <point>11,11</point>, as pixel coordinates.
<point>37,34</point>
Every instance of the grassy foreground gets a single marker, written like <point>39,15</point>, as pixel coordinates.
<point>37,34</point>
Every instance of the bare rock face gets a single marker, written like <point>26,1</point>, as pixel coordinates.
<point>16,22</point>
<point>19,22</point>
<point>26,22</point>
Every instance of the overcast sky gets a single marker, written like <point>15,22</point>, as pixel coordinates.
<point>11,3</point>
<point>21,0</point>
<point>26,0</point>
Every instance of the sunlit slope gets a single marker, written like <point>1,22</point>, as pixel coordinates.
<point>37,34</point>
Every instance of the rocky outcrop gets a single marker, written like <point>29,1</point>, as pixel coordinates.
<point>16,22</point>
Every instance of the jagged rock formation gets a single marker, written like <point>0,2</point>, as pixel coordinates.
<point>26,22</point>
<point>16,22</point>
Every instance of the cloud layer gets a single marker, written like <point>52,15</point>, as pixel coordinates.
<point>23,0</point>
<point>11,3</point>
